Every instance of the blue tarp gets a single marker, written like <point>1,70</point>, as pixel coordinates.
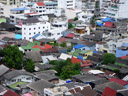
<point>107,19</point>
<point>79,46</point>
<point>125,45</point>
<point>35,36</point>
<point>19,9</point>
<point>18,36</point>
<point>99,23</point>
<point>68,81</point>
<point>80,57</point>
<point>95,52</point>
<point>120,53</point>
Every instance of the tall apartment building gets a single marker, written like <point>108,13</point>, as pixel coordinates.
<point>11,2</point>
<point>115,8</point>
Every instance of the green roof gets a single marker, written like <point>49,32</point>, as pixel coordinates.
<point>111,67</point>
<point>120,64</point>
<point>2,20</point>
<point>30,45</point>
<point>85,51</point>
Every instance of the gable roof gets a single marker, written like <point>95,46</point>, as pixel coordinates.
<point>70,35</point>
<point>112,85</point>
<point>109,24</point>
<point>47,46</point>
<point>34,55</point>
<point>64,56</point>
<point>40,3</point>
<point>119,81</point>
<point>75,60</point>
<point>3,69</point>
<point>11,93</point>
<point>16,73</point>
<point>40,85</point>
<point>61,40</point>
<point>109,92</point>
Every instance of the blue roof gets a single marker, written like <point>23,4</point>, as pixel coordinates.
<point>99,23</point>
<point>18,36</point>
<point>35,36</point>
<point>80,57</point>
<point>79,46</point>
<point>106,19</point>
<point>19,9</point>
<point>95,52</point>
<point>125,44</point>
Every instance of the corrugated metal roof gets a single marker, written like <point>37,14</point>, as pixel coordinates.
<point>19,9</point>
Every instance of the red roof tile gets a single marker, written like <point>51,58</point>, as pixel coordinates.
<point>46,46</point>
<point>36,46</point>
<point>109,92</point>
<point>70,35</point>
<point>119,81</point>
<point>109,24</point>
<point>40,3</point>
<point>10,93</point>
<point>75,60</point>
<point>62,39</point>
<point>124,57</point>
<point>31,13</point>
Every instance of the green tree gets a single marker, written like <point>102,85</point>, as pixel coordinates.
<point>29,65</point>
<point>70,25</point>
<point>93,21</point>
<point>13,57</point>
<point>76,18</point>
<point>63,44</point>
<point>109,58</point>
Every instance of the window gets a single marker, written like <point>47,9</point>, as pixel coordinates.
<point>58,33</point>
<point>29,78</point>
<point>34,32</point>
<point>29,37</point>
<point>38,27</point>
<point>43,27</point>
<point>13,80</point>
<point>39,32</point>
<point>34,28</point>
<point>29,33</point>
<point>24,28</point>
<point>29,28</point>
<point>24,38</point>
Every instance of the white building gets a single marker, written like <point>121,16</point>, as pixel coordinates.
<point>18,76</point>
<point>116,9</point>
<point>5,9</point>
<point>57,91</point>
<point>33,26</point>
<point>66,4</point>
<point>85,16</point>
<point>11,2</point>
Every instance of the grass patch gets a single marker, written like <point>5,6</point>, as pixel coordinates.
<point>16,84</point>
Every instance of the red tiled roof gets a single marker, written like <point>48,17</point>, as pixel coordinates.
<point>109,24</point>
<point>124,57</point>
<point>70,35</point>
<point>62,39</point>
<point>109,92</point>
<point>87,63</point>
<point>46,46</point>
<point>50,50</point>
<point>31,13</point>
<point>75,60</point>
<point>40,3</point>
<point>10,93</point>
<point>119,81</point>
<point>36,46</point>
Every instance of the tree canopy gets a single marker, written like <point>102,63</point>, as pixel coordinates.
<point>109,58</point>
<point>70,25</point>
<point>29,65</point>
<point>76,18</point>
<point>65,69</point>
<point>13,57</point>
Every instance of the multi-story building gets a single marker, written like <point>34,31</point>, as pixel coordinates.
<point>66,4</point>
<point>116,9</point>
<point>33,26</point>
<point>11,2</point>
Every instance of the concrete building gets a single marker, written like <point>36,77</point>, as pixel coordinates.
<point>115,9</point>
<point>11,2</point>
<point>33,26</point>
